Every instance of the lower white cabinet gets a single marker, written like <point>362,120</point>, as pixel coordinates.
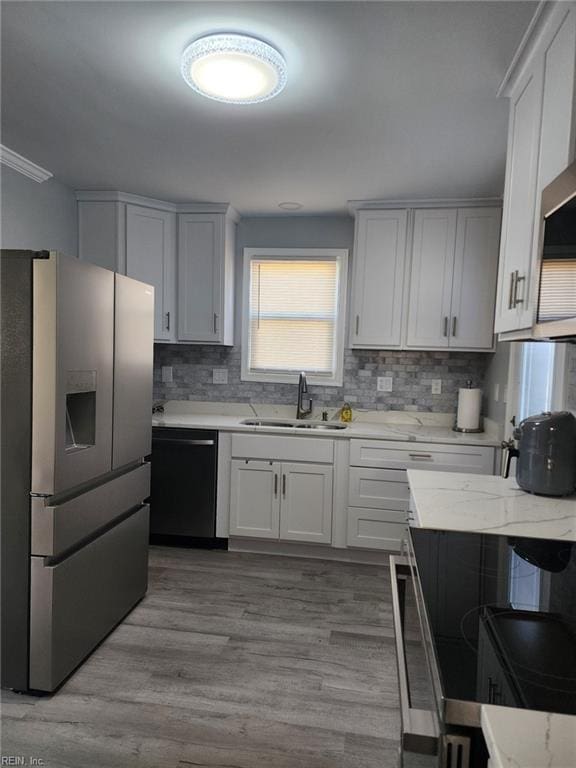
<point>291,501</point>
<point>378,491</point>
<point>254,499</point>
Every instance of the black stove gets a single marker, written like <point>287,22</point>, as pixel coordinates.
<point>501,611</point>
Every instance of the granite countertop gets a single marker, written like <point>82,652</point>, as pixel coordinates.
<point>518,738</point>
<point>488,504</point>
<point>377,425</point>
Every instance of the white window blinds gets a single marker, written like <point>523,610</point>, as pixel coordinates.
<point>557,289</point>
<point>293,315</point>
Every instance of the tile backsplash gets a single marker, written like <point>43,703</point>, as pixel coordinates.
<point>412,373</point>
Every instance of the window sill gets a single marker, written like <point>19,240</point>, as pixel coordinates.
<point>288,378</point>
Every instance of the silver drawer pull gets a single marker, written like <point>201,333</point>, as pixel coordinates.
<point>422,456</point>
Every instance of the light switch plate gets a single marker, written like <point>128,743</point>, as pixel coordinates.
<point>167,374</point>
<point>496,392</point>
<point>219,375</point>
<point>384,384</point>
<point>436,386</point>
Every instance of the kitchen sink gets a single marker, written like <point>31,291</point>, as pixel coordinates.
<point>320,425</point>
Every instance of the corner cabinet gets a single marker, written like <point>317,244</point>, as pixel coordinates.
<point>541,144</point>
<point>379,266</point>
<point>206,278</point>
<point>166,245</point>
<point>453,278</point>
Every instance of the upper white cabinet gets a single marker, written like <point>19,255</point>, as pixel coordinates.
<point>431,278</point>
<point>206,278</point>
<point>541,139</point>
<point>425,278</point>
<point>150,249</point>
<point>379,263</point>
<point>474,278</point>
<point>165,245</point>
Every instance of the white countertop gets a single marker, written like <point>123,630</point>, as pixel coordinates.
<point>377,425</point>
<point>518,738</point>
<point>488,504</point>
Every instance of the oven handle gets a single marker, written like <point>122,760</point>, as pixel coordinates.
<point>420,732</point>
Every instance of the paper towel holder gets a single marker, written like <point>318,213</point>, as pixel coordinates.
<point>465,430</point>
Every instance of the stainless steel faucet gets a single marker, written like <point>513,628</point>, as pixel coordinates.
<point>301,410</point>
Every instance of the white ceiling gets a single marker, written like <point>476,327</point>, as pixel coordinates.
<point>384,100</point>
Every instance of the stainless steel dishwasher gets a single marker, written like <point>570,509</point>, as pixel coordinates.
<point>183,498</point>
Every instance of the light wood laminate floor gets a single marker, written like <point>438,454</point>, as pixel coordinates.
<point>231,660</point>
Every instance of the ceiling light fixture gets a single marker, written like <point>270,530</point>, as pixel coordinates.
<point>288,206</point>
<point>234,68</point>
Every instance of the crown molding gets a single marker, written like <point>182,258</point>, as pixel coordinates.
<point>534,31</point>
<point>23,165</point>
<point>115,196</point>
<point>442,202</point>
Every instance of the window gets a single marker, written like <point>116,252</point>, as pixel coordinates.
<point>293,316</point>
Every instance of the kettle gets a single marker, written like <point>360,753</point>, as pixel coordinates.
<point>546,454</point>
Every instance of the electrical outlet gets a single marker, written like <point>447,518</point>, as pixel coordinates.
<point>167,374</point>
<point>384,384</point>
<point>219,375</point>
<point>436,386</point>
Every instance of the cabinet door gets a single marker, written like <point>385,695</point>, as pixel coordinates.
<point>151,257</point>
<point>306,513</point>
<point>255,499</point>
<point>377,294</point>
<point>200,274</point>
<point>474,282</point>
<point>431,278</point>
<point>519,212</point>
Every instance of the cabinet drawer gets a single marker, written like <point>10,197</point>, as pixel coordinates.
<point>378,488</point>
<point>412,455</point>
<point>280,448</point>
<point>76,602</point>
<point>57,528</point>
<point>376,528</point>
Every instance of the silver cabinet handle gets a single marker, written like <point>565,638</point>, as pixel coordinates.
<point>167,321</point>
<point>454,320</point>
<point>284,486</point>
<point>177,441</point>
<point>215,323</point>
<point>445,326</point>
<point>275,484</point>
<point>519,279</point>
<point>420,456</point>
<point>357,324</point>
<point>513,276</point>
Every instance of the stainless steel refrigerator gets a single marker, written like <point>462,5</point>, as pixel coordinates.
<point>76,403</point>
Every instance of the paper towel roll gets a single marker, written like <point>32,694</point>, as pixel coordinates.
<point>469,405</point>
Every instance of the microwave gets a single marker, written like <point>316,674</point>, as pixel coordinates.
<point>556,308</point>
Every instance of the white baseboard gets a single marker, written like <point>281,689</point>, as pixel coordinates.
<point>314,551</point>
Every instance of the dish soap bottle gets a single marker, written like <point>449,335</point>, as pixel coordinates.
<point>346,413</point>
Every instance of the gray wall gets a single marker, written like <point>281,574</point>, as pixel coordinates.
<point>37,216</point>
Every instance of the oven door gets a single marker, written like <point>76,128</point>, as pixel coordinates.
<point>420,743</point>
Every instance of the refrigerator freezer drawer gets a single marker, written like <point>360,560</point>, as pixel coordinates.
<point>77,602</point>
<point>59,527</point>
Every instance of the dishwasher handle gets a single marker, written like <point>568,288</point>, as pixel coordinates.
<point>177,441</point>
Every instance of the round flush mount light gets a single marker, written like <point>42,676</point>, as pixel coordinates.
<point>290,206</point>
<point>234,68</point>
